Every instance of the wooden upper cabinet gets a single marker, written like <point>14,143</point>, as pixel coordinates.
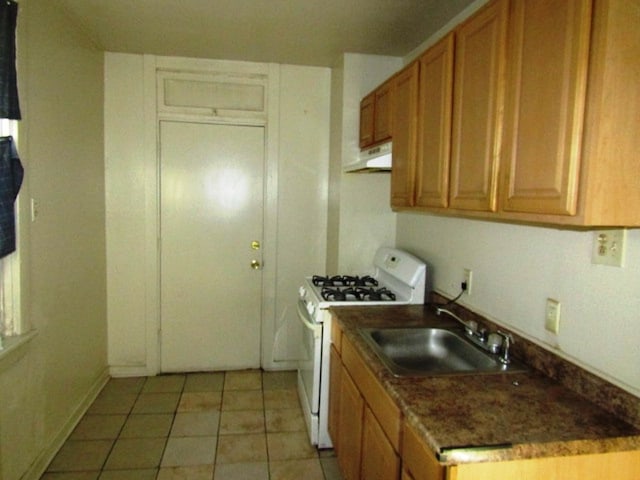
<point>542,120</point>
<point>434,124</point>
<point>382,121</point>
<point>367,120</point>
<point>375,116</point>
<point>547,78</point>
<point>477,108</point>
<point>571,145</point>
<point>404,117</point>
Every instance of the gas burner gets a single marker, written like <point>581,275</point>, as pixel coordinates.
<point>325,281</point>
<point>357,294</point>
<point>340,294</point>
<point>356,281</point>
<point>343,281</point>
<point>376,294</point>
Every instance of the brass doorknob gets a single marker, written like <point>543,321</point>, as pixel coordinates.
<point>255,264</point>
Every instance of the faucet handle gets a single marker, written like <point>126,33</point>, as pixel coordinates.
<point>482,334</point>
<point>472,327</point>
<point>494,342</point>
<point>507,336</point>
<point>508,340</point>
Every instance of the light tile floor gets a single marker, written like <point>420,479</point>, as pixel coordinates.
<point>200,426</point>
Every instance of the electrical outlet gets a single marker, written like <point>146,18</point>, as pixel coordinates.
<point>468,276</point>
<point>608,247</point>
<point>552,316</point>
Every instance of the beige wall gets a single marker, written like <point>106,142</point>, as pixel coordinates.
<point>303,144</point>
<point>45,385</point>
<point>359,219</point>
<point>126,213</point>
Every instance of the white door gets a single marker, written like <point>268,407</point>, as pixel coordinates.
<point>211,210</point>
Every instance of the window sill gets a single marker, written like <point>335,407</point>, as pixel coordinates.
<point>14,348</point>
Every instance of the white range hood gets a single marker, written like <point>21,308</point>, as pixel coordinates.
<point>376,158</point>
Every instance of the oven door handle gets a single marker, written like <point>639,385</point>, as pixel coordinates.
<point>306,320</point>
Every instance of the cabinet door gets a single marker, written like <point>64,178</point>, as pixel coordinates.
<point>404,113</point>
<point>350,427</point>
<point>418,461</point>
<point>382,122</point>
<point>379,459</point>
<point>478,104</point>
<point>406,475</point>
<point>335,376</point>
<point>366,120</point>
<point>548,57</point>
<point>434,124</point>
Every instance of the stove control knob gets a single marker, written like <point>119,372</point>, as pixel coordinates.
<point>302,292</point>
<point>311,308</point>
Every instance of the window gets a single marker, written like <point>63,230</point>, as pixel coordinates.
<point>10,268</point>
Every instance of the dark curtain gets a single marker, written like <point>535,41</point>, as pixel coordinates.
<point>11,174</point>
<point>9,105</point>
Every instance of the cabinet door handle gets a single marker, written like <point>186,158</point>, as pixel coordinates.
<point>255,264</point>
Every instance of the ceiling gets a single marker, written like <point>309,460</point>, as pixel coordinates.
<point>299,32</point>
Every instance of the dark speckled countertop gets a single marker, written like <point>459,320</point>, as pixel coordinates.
<point>476,418</point>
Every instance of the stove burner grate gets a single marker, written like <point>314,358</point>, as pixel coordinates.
<point>343,281</point>
<point>362,294</point>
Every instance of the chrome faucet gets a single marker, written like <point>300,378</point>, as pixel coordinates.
<point>508,340</point>
<point>481,338</point>
<point>470,327</point>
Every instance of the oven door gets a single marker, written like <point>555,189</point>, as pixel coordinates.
<point>310,362</point>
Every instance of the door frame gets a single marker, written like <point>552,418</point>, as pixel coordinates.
<point>152,192</point>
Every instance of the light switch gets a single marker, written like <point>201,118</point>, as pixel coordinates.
<point>552,316</point>
<point>608,247</point>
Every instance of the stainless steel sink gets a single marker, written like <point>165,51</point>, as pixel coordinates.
<point>428,351</point>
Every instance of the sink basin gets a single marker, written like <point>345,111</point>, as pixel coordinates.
<point>429,351</point>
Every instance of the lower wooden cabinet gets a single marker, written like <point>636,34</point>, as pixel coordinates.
<point>363,448</point>
<point>350,420</point>
<point>418,461</point>
<point>373,443</point>
<point>379,460</point>
<point>335,377</point>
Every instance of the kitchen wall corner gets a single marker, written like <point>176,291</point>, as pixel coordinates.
<point>360,217</point>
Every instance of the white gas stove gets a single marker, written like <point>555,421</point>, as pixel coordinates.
<point>398,278</point>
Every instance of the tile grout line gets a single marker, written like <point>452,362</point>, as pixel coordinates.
<point>115,440</point>
<point>173,421</point>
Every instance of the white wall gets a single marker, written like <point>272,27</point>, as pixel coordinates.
<point>303,144</point>
<point>516,268</point>
<point>296,204</point>
<point>360,218</point>
<point>46,385</point>
<point>125,209</point>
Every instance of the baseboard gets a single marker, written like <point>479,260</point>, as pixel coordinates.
<point>39,466</point>
<point>130,371</point>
